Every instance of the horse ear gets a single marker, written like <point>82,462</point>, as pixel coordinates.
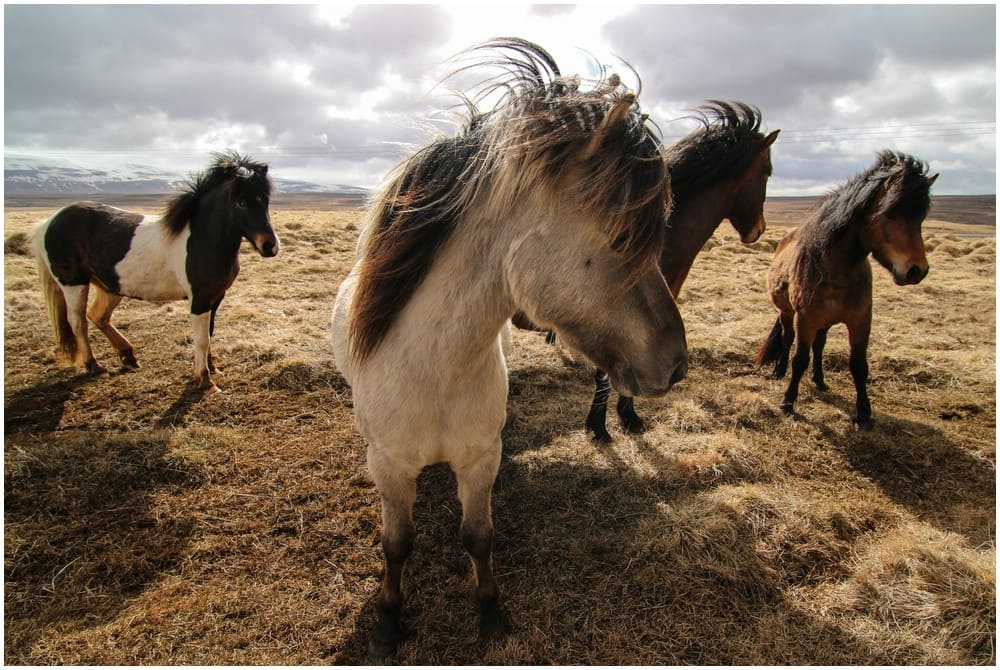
<point>262,171</point>
<point>609,124</point>
<point>769,140</point>
<point>931,181</point>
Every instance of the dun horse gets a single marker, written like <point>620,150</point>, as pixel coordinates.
<point>717,172</point>
<point>190,252</point>
<point>821,275</point>
<point>553,202</point>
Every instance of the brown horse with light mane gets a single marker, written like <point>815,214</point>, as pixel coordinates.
<point>718,171</point>
<point>821,275</point>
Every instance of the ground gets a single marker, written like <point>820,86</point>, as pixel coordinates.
<point>147,524</point>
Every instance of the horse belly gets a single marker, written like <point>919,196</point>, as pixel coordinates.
<point>153,269</point>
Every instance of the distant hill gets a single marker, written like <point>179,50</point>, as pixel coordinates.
<point>33,176</point>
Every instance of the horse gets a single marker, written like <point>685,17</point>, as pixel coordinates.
<point>718,171</point>
<point>821,275</point>
<point>553,201</point>
<point>191,252</point>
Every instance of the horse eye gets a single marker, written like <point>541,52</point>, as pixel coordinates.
<point>241,203</point>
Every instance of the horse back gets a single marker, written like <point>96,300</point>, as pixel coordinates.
<point>84,242</point>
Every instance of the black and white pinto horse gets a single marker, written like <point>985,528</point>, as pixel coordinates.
<point>191,251</point>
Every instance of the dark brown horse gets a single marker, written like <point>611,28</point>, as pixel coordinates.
<point>717,172</point>
<point>821,275</point>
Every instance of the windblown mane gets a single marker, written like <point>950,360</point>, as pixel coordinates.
<point>543,132</point>
<point>226,167</point>
<point>723,148</point>
<point>897,183</point>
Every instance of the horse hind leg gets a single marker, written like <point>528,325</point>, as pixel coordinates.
<point>818,344</point>
<point>475,484</point>
<point>805,334</point>
<point>76,309</point>
<point>100,315</point>
<point>787,338</point>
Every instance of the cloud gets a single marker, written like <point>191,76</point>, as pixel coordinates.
<point>158,81</point>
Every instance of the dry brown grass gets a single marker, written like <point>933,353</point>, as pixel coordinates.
<point>145,524</point>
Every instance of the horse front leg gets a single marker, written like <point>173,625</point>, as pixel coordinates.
<point>804,333</point>
<point>818,344</point>
<point>858,337</point>
<point>475,484</point>
<point>201,321</point>
<point>626,412</point>
<point>211,333</point>
<point>100,315</point>
<point>398,494</point>
<point>597,417</point>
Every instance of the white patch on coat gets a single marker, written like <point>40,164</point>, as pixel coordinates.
<point>154,267</point>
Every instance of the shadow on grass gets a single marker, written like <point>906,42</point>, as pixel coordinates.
<point>81,537</point>
<point>39,408</point>
<point>614,568</point>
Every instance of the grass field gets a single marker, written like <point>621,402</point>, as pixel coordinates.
<point>146,524</point>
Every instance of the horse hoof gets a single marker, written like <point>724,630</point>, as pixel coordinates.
<point>633,425</point>
<point>600,434</point>
<point>788,408</point>
<point>128,360</point>
<point>386,636</point>
<point>494,623</point>
<point>211,390</point>
<point>96,369</point>
<point>821,385</point>
<point>380,651</point>
<point>863,425</point>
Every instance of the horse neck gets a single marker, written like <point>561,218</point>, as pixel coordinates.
<point>689,227</point>
<point>456,314</point>
<point>212,228</point>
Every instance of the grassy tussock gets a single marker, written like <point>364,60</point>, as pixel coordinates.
<point>146,524</point>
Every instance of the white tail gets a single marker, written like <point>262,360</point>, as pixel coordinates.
<point>55,302</point>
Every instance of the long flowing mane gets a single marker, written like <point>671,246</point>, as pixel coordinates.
<point>724,147</point>
<point>227,166</point>
<point>530,144</point>
<point>898,183</point>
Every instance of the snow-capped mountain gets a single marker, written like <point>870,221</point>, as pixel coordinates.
<point>24,175</point>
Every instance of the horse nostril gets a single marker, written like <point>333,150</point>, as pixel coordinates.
<point>679,372</point>
<point>916,273</point>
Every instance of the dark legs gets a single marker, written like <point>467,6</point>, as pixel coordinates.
<point>399,491</point>
<point>398,495</point>
<point>475,484</point>
<point>597,417</point>
<point>818,345</point>
<point>805,335</point>
<point>787,337</point>
<point>858,336</point>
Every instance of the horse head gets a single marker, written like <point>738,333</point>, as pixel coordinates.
<point>893,232</point>
<point>249,195</point>
<point>747,213</point>
<point>600,289</point>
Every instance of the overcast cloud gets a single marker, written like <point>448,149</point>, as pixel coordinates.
<point>336,95</point>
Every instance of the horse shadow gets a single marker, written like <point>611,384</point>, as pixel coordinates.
<point>586,552</point>
<point>82,539</point>
<point>39,408</point>
<point>919,467</point>
<point>179,409</point>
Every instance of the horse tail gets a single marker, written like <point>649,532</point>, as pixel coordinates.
<point>55,301</point>
<point>770,350</point>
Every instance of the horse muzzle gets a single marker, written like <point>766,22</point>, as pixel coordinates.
<point>913,275</point>
<point>627,382</point>
<point>266,246</point>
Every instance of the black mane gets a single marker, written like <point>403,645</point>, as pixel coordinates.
<point>227,167</point>
<point>723,148</point>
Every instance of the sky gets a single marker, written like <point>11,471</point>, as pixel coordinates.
<point>338,94</point>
